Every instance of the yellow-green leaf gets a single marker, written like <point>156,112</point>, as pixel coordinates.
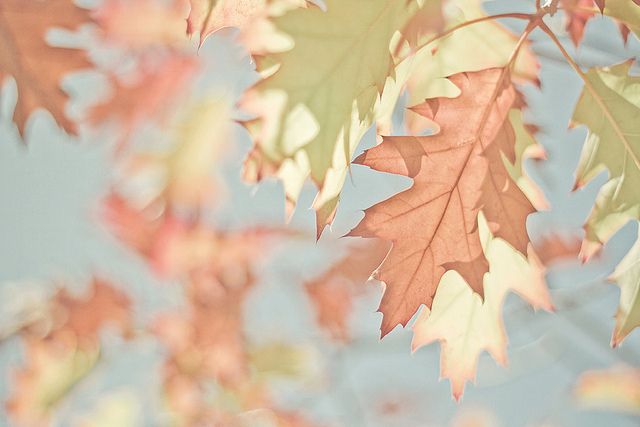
<point>626,12</point>
<point>610,107</point>
<point>627,276</point>
<point>312,111</point>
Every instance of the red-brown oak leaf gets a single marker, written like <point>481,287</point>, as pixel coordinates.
<point>36,66</point>
<point>456,172</point>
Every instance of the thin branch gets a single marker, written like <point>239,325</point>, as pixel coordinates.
<point>524,16</point>
<point>523,38</point>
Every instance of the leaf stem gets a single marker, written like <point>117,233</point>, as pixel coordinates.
<point>589,86</point>
<point>524,16</point>
<point>523,38</point>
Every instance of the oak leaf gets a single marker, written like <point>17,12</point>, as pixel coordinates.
<point>309,123</point>
<point>464,324</point>
<point>627,13</point>
<point>610,108</point>
<point>457,173</point>
<point>36,66</point>
<point>472,48</point>
<point>627,276</point>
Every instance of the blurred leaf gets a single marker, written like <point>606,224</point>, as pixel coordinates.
<point>140,25</point>
<point>65,349</point>
<point>120,408</point>
<point>615,389</point>
<point>36,66</point>
<point>332,293</point>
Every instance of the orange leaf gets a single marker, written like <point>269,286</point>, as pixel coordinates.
<point>457,172</point>
<point>36,66</point>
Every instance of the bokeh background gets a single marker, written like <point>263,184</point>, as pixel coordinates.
<point>51,186</point>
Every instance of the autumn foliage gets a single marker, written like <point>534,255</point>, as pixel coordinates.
<point>447,251</point>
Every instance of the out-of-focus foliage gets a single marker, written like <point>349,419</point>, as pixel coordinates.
<point>327,71</point>
<point>615,389</point>
<point>62,346</point>
<point>333,292</point>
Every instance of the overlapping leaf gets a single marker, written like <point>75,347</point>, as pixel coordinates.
<point>466,325</point>
<point>610,107</point>
<point>627,13</point>
<point>473,48</point>
<point>457,173</point>
<point>308,123</point>
<point>526,147</point>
